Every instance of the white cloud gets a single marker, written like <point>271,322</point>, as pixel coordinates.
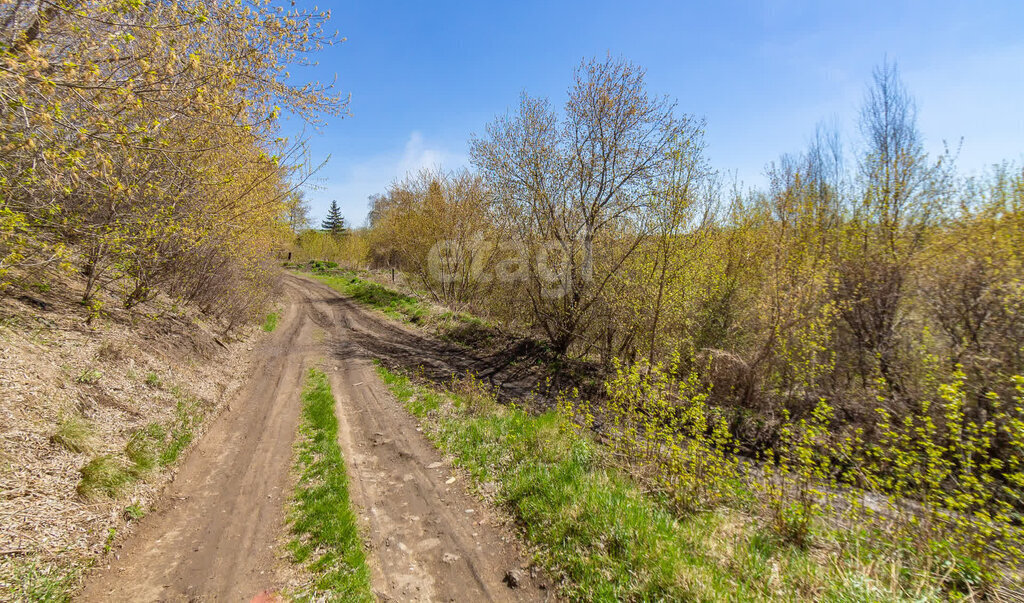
<point>418,155</point>
<point>351,184</point>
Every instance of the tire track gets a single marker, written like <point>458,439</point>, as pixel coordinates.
<point>430,540</point>
<point>213,535</point>
<point>216,532</point>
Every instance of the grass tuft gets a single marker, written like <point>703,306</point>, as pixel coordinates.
<point>153,380</point>
<point>75,434</point>
<point>103,476</point>
<point>134,512</point>
<point>155,445</point>
<point>187,418</point>
<point>326,534</point>
<point>143,448</point>
<point>34,580</point>
<point>88,376</point>
<point>270,322</point>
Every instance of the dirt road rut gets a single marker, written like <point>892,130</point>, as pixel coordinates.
<point>217,532</point>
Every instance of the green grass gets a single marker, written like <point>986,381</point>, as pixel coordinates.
<point>153,446</point>
<point>594,528</point>
<point>88,376</point>
<point>396,305</point>
<point>108,544</point>
<point>37,580</point>
<point>465,329</point>
<point>188,416</point>
<point>107,476</point>
<point>326,534</point>
<point>145,447</point>
<point>75,434</point>
<point>104,476</point>
<point>134,512</point>
<point>153,380</point>
<point>270,322</point>
<point>457,327</point>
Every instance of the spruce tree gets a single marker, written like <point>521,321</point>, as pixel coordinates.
<point>334,223</point>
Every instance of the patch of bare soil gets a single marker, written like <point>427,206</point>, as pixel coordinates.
<point>125,371</point>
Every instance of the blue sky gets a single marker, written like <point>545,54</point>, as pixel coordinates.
<point>424,76</point>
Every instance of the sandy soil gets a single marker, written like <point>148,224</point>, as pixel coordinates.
<point>216,534</point>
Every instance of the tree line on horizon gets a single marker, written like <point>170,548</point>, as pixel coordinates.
<point>333,240</point>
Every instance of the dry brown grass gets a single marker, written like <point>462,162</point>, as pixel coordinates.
<point>54,421</point>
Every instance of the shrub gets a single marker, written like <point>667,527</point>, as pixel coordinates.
<point>666,429</point>
<point>203,240</point>
<point>322,266</point>
<point>955,482</point>
<point>797,476</point>
<point>937,493</point>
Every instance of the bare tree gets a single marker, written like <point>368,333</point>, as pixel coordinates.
<point>561,184</point>
<point>681,217</point>
<point>894,206</point>
<point>298,211</point>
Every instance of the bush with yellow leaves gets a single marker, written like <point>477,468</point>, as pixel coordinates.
<point>141,143</point>
<point>938,493</point>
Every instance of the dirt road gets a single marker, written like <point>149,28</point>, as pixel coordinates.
<point>217,531</point>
